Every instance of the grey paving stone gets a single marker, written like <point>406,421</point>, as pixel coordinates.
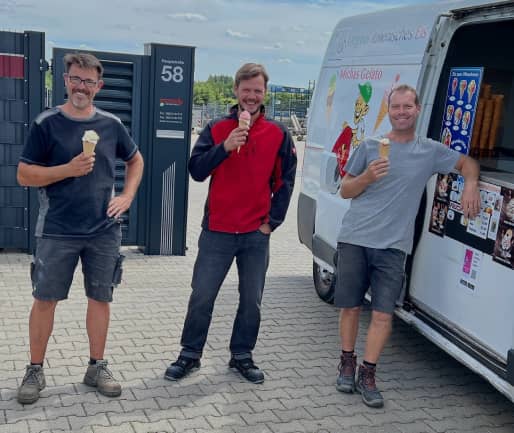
<point>153,427</point>
<point>123,428</point>
<point>265,416</point>
<point>194,423</point>
<point>125,417</point>
<point>79,422</point>
<point>17,427</point>
<point>54,425</point>
<point>94,408</point>
<point>223,422</point>
<point>415,427</point>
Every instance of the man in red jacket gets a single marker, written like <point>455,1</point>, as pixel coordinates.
<point>252,170</point>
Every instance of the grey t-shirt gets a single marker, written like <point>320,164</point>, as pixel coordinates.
<point>383,215</point>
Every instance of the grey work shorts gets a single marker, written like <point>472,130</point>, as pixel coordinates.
<point>359,268</point>
<point>55,261</point>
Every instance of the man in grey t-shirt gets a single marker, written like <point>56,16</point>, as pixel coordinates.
<point>377,231</point>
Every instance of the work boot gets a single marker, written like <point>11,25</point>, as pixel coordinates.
<point>367,388</point>
<point>99,376</point>
<point>248,369</point>
<point>181,368</point>
<point>33,382</point>
<point>346,379</point>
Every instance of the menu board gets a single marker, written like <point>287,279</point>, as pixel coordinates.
<point>504,245</point>
<point>460,107</point>
<point>491,231</point>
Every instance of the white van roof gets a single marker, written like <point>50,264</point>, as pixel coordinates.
<point>391,36</point>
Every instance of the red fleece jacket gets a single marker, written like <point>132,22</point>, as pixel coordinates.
<point>248,188</point>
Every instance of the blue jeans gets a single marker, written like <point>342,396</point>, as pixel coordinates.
<point>215,256</point>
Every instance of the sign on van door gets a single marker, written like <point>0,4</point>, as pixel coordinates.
<point>355,100</point>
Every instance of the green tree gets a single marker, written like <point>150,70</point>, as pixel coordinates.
<point>48,80</point>
<point>203,93</point>
<point>217,89</point>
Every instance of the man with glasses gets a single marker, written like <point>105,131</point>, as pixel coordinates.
<point>79,216</point>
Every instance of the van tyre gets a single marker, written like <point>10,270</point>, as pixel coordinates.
<point>324,283</point>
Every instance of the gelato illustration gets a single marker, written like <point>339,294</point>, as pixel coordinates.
<point>382,111</point>
<point>472,87</point>
<point>462,87</point>
<point>330,95</point>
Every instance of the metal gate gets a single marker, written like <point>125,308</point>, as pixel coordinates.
<point>152,102</point>
<point>121,95</point>
<point>22,74</point>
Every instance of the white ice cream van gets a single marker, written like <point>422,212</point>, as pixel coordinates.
<point>460,57</point>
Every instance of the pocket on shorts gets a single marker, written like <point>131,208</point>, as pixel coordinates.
<point>33,274</point>
<point>401,297</point>
<point>118,270</point>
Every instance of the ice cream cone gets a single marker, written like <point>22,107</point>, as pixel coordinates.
<point>381,114</point>
<point>244,122</point>
<point>88,147</point>
<point>383,148</point>
<point>89,141</point>
<point>384,105</point>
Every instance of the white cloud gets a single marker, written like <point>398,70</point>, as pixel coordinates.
<point>237,35</point>
<point>275,46</point>
<point>284,60</point>
<point>188,16</point>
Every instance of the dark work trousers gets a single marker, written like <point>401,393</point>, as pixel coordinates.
<point>216,252</point>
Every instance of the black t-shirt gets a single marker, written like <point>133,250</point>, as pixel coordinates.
<point>76,206</point>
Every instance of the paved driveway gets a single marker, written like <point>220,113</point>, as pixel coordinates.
<point>425,390</point>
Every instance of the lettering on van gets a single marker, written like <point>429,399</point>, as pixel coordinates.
<point>400,35</point>
<point>367,74</point>
<point>347,38</point>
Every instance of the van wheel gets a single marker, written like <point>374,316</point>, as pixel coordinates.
<point>324,283</point>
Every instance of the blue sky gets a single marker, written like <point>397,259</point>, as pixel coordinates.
<point>288,36</point>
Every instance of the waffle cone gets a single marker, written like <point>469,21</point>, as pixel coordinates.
<point>88,147</point>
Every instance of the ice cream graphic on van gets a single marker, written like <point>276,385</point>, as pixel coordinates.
<point>455,83</point>
<point>384,104</point>
<point>350,138</point>
<point>462,87</point>
<point>457,116</point>
<point>447,137</point>
<point>465,119</point>
<point>449,112</point>
<point>330,96</point>
<point>472,87</point>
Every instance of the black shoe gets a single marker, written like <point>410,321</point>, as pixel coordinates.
<point>248,369</point>
<point>181,367</point>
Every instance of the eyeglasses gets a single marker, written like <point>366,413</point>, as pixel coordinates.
<point>76,81</point>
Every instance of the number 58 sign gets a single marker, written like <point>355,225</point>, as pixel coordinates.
<point>172,73</point>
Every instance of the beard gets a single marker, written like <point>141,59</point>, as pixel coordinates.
<point>82,101</point>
